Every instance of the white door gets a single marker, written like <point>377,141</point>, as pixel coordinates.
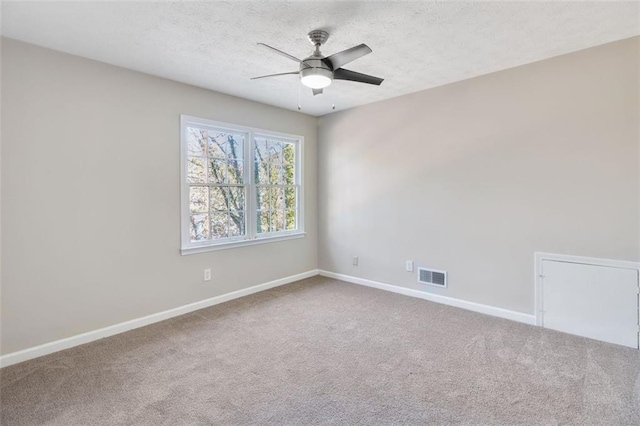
<point>592,301</point>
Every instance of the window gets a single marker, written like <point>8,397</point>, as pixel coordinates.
<point>239,185</point>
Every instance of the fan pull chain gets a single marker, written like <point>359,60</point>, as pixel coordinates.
<point>333,105</point>
<point>299,106</point>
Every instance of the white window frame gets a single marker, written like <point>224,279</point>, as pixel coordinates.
<point>251,236</point>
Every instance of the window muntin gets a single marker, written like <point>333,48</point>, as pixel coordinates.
<point>239,184</point>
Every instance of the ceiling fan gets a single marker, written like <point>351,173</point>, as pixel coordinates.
<point>318,71</point>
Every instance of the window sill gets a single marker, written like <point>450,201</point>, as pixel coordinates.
<point>243,243</point>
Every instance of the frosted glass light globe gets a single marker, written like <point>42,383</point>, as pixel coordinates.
<point>316,78</point>
<point>316,81</point>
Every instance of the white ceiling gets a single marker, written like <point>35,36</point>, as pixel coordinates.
<point>416,45</point>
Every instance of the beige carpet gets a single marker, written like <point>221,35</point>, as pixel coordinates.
<point>325,352</point>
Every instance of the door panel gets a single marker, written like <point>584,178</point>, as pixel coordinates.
<point>591,301</point>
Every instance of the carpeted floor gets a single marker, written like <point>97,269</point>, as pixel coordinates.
<point>325,352</point>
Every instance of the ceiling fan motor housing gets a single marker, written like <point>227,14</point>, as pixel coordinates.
<point>316,72</point>
<point>313,63</point>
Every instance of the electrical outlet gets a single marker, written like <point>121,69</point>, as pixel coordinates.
<point>207,275</point>
<point>355,260</point>
<point>409,266</point>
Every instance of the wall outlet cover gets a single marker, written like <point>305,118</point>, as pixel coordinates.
<point>409,266</point>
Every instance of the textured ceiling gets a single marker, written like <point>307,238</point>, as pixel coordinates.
<point>416,45</point>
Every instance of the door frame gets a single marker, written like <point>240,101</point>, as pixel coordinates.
<point>540,257</point>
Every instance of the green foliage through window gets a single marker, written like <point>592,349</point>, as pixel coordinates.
<point>274,176</point>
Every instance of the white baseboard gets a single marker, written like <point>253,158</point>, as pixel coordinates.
<point>458,303</point>
<point>80,339</point>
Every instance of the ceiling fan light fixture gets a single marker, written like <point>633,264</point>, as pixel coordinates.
<point>316,78</point>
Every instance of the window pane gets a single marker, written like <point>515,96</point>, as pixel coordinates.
<point>199,199</point>
<point>235,145</point>
<point>260,152</point>
<point>263,196</point>
<point>277,220</point>
<point>236,223</point>
<point>289,176</point>
<point>236,198</point>
<point>199,227</point>
<point>290,197</point>
<point>289,153</point>
<point>217,171</point>
<point>219,225</point>
<point>196,170</point>
<point>275,174</point>
<point>275,152</point>
<point>196,141</point>
<point>225,198</point>
<point>218,144</point>
<point>218,200</point>
<point>277,198</point>
<point>235,171</point>
<point>291,220</point>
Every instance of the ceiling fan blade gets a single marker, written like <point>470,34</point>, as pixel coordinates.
<point>276,75</point>
<point>317,92</point>
<point>280,52</point>
<point>339,59</point>
<point>342,74</point>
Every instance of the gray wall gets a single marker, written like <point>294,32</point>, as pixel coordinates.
<point>91,197</point>
<point>476,176</point>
